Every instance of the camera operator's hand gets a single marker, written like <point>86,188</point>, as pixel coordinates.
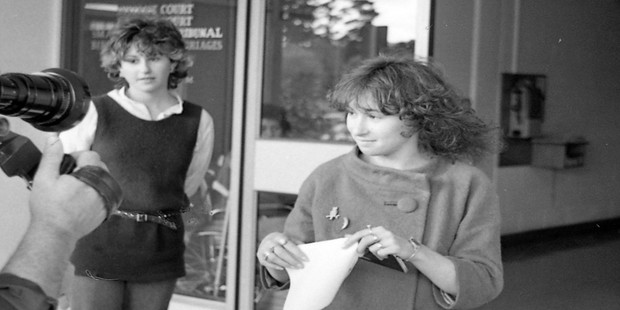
<point>62,202</point>
<point>63,209</point>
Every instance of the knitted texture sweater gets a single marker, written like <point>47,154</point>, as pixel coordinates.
<point>451,208</point>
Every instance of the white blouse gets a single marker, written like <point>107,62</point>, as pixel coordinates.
<point>80,137</point>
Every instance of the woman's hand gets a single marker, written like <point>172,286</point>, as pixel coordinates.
<point>276,251</point>
<point>381,242</point>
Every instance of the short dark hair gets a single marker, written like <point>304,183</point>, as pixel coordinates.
<point>277,113</point>
<point>417,92</point>
<point>151,36</point>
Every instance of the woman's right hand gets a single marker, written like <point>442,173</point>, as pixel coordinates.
<point>277,251</point>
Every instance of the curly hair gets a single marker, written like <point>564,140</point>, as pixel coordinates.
<point>417,92</point>
<point>150,36</point>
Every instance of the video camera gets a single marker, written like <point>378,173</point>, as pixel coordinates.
<point>52,100</point>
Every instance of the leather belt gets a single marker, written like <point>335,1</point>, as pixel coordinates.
<point>145,217</point>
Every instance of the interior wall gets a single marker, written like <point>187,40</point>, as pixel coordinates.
<point>575,44</point>
<point>30,43</point>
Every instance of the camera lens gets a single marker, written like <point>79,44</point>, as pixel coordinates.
<point>52,100</point>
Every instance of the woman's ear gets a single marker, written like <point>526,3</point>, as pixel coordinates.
<point>410,128</point>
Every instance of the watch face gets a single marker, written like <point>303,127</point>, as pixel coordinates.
<point>416,245</point>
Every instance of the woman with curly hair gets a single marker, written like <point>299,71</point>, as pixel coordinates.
<point>158,147</point>
<point>407,192</point>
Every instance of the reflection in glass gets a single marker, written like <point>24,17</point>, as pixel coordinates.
<point>206,228</point>
<point>208,28</point>
<point>310,43</point>
<point>274,123</point>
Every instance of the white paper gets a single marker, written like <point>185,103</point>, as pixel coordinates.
<point>315,286</point>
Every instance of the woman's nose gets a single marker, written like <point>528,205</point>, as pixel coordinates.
<point>145,65</point>
<point>356,125</point>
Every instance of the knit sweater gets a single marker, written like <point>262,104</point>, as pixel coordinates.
<point>450,207</point>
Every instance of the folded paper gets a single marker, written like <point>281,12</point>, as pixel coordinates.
<point>315,286</point>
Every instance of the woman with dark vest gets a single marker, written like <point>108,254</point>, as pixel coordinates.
<point>158,147</point>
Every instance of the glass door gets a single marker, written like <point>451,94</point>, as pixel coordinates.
<point>297,51</point>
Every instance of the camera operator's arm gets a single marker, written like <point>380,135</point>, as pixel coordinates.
<point>63,209</point>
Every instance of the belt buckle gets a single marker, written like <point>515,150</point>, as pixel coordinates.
<point>141,217</point>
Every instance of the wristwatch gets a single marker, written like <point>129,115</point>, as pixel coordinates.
<point>416,247</point>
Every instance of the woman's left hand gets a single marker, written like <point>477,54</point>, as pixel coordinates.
<point>380,241</point>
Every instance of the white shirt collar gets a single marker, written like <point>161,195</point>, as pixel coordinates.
<point>140,110</point>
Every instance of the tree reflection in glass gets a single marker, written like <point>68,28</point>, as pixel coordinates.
<point>309,43</point>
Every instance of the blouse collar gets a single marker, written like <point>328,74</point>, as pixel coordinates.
<point>140,109</point>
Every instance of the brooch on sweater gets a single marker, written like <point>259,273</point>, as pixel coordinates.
<point>334,214</point>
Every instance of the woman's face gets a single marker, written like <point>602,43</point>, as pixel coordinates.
<point>379,136</point>
<point>145,73</point>
<point>270,128</point>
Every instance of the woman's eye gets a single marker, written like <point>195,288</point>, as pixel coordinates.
<point>373,115</point>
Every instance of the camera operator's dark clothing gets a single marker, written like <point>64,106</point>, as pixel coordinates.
<point>21,294</point>
<point>150,160</point>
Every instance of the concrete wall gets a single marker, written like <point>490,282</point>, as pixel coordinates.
<point>575,44</point>
<point>30,42</point>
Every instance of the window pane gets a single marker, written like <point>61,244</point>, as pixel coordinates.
<point>310,43</point>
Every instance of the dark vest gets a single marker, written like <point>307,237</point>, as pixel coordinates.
<point>149,159</point>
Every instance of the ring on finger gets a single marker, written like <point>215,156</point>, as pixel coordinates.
<point>283,241</point>
<point>369,228</point>
<point>266,255</point>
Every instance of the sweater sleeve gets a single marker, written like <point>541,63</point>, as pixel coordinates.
<point>476,251</point>
<point>298,226</point>
<point>299,223</point>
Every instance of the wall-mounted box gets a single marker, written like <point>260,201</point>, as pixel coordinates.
<point>558,153</point>
<point>522,110</point>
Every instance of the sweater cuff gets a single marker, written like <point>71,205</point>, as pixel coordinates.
<point>444,299</point>
<point>269,282</point>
